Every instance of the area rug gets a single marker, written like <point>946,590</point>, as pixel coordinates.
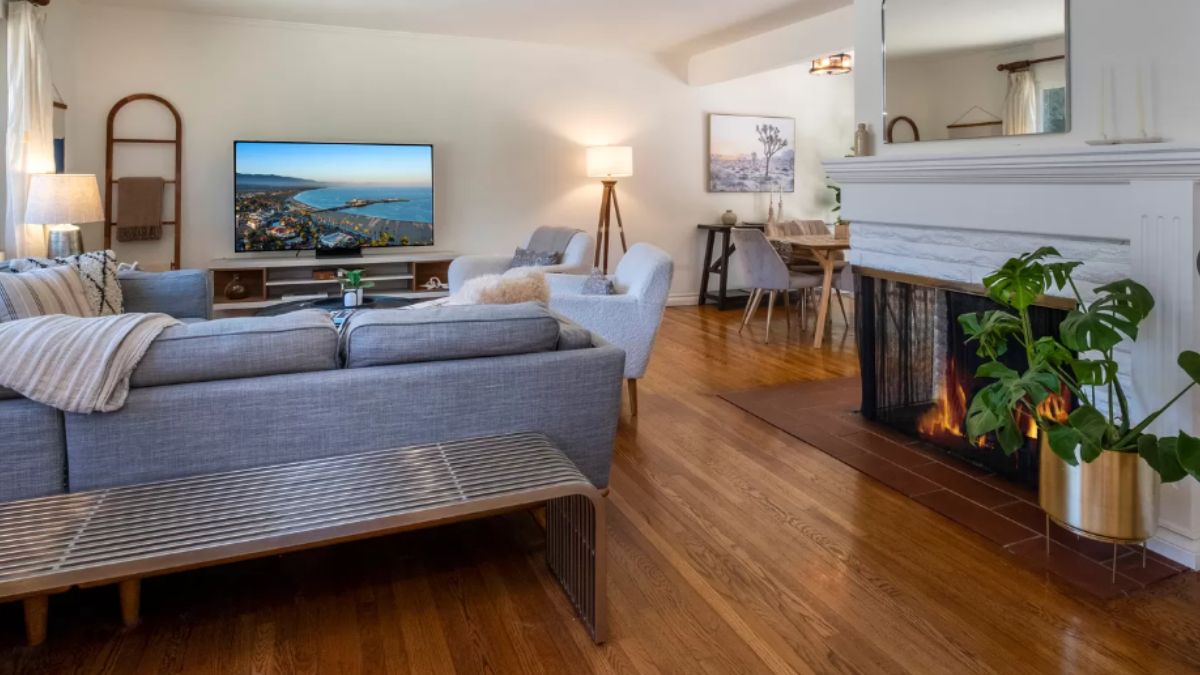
<point>824,415</point>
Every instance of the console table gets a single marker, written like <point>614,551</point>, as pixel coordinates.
<point>723,297</point>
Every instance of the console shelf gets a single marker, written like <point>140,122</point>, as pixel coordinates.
<point>271,280</point>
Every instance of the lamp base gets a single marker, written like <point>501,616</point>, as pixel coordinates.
<point>63,241</point>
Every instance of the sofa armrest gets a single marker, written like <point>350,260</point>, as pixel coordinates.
<point>183,294</point>
<point>468,267</point>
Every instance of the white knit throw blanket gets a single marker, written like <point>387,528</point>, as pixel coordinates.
<point>74,364</point>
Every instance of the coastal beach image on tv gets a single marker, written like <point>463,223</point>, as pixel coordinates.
<point>297,196</point>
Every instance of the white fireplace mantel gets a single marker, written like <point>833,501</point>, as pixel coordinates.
<point>1127,210</point>
<point>1094,165</point>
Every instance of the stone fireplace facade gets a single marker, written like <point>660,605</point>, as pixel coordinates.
<point>1126,211</point>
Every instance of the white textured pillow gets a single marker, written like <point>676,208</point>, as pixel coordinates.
<point>520,284</point>
<point>54,290</point>
<point>97,272</point>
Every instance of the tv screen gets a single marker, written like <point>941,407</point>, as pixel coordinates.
<point>298,196</point>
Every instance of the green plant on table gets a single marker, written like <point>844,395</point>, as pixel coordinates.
<point>1081,360</point>
<point>353,280</point>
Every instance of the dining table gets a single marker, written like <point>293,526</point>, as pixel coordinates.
<point>824,248</point>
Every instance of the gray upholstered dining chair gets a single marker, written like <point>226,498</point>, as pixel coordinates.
<point>767,275</point>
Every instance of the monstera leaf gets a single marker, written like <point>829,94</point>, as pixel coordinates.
<point>1112,317</point>
<point>1020,281</point>
<point>993,408</point>
<point>991,329</point>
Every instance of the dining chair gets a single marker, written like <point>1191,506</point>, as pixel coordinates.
<point>768,275</point>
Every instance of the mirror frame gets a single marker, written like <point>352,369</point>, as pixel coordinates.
<point>1070,89</point>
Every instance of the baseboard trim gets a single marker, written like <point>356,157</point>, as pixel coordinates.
<point>683,299</point>
<point>1183,550</point>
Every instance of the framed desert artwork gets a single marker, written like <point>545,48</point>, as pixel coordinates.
<point>751,154</point>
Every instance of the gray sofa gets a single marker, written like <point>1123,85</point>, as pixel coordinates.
<point>235,393</point>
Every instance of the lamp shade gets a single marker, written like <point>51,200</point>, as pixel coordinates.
<point>610,161</point>
<point>63,198</point>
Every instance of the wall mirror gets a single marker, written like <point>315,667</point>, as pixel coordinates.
<point>975,69</point>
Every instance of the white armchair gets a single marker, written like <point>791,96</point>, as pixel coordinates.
<point>576,246</point>
<point>628,319</point>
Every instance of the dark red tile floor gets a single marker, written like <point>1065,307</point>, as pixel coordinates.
<point>823,414</point>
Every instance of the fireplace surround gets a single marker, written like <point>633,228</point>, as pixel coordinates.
<point>1126,211</point>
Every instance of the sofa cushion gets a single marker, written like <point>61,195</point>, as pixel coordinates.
<point>54,290</point>
<point>393,336</point>
<point>228,349</point>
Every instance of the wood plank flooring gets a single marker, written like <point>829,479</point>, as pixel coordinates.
<point>735,548</point>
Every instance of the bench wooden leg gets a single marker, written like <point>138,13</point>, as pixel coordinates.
<point>577,553</point>
<point>37,614</point>
<point>131,600</point>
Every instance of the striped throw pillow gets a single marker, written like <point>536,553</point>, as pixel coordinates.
<point>97,272</point>
<point>54,290</point>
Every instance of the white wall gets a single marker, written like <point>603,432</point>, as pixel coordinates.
<point>1104,34</point>
<point>509,122</point>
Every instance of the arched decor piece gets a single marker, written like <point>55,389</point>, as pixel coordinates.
<point>892,126</point>
<point>177,180</point>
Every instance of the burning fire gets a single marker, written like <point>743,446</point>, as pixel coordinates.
<point>945,421</point>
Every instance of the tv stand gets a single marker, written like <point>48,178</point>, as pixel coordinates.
<point>274,279</point>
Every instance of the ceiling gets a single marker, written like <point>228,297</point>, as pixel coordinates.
<point>916,27</point>
<point>646,26</point>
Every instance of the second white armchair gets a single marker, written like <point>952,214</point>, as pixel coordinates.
<point>576,249</point>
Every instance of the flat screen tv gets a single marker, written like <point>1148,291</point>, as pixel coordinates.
<point>299,196</point>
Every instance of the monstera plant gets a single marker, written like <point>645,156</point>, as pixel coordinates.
<point>1080,360</point>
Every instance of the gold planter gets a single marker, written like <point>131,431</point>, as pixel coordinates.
<point>1114,498</point>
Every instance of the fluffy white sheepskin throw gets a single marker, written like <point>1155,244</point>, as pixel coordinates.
<point>520,284</point>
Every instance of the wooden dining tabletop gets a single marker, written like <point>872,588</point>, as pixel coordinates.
<point>824,247</point>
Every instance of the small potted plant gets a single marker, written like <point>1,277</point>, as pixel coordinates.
<point>841,229</point>
<point>353,287</point>
<point>1099,468</point>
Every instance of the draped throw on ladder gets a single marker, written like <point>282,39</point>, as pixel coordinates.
<point>30,133</point>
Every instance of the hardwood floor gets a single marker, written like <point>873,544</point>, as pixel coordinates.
<point>734,547</point>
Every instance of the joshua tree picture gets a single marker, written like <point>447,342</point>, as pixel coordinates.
<point>751,154</point>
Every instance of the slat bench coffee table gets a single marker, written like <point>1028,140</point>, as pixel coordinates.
<point>120,535</point>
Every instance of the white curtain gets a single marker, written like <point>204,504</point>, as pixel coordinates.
<point>30,137</point>
<point>1020,105</point>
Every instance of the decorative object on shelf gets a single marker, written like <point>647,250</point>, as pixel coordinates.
<point>175,182</point>
<point>771,221</point>
<point>353,286</point>
<point>751,154</point>
<point>235,290</point>
<point>1098,472</point>
<point>889,134</point>
<point>833,64</point>
<point>862,141</point>
<point>324,275</point>
<point>434,284</point>
<point>60,201</point>
<point>730,218</point>
<point>608,163</point>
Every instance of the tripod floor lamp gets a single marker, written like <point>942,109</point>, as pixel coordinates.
<point>608,163</point>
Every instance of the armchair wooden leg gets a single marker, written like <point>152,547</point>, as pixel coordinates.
<point>131,598</point>
<point>747,311</point>
<point>787,311</point>
<point>632,397</point>
<point>37,615</point>
<point>753,308</point>
<point>770,307</point>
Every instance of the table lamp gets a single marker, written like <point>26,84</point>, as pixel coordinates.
<point>609,162</point>
<point>59,201</point>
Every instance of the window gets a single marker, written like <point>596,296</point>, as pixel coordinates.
<point>1052,110</point>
